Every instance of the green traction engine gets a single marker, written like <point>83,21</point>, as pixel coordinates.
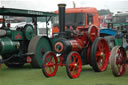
<point>21,45</point>
<point>14,43</point>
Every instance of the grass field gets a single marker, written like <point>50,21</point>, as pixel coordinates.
<point>29,76</point>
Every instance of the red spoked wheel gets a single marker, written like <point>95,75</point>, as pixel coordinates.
<point>73,65</point>
<point>92,33</point>
<point>117,61</point>
<point>99,54</point>
<point>49,64</point>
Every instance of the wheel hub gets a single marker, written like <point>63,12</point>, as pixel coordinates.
<point>93,33</point>
<point>75,65</point>
<point>102,54</point>
<point>49,64</point>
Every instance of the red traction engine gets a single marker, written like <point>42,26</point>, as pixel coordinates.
<point>118,61</point>
<point>73,49</point>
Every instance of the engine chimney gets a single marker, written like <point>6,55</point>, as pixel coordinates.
<point>62,18</point>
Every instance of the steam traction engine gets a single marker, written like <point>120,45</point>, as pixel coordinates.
<point>20,46</point>
<point>73,49</point>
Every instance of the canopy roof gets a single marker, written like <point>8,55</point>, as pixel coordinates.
<point>25,13</point>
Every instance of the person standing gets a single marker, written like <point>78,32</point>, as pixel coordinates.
<point>119,39</point>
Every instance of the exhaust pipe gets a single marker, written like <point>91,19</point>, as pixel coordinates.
<point>61,18</point>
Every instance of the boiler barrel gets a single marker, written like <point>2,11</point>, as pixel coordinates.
<point>8,46</point>
<point>65,46</point>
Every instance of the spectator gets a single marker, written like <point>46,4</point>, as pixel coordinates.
<point>119,39</point>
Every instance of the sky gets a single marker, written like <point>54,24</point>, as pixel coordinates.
<point>51,5</point>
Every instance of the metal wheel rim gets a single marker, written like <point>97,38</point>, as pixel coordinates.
<point>118,55</point>
<point>102,54</point>
<point>74,65</point>
<point>92,33</point>
<point>50,66</point>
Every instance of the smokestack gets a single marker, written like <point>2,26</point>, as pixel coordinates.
<point>61,17</point>
<point>74,5</point>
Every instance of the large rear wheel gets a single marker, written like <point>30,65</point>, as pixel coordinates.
<point>73,64</point>
<point>99,54</point>
<point>39,46</point>
<point>117,61</point>
<point>49,64</point>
